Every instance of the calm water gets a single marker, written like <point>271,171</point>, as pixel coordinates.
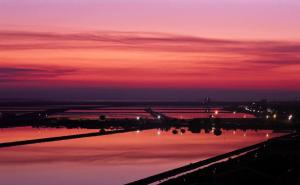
<point>134,112</point>
<point>26,133</point>
<point>115,159</point>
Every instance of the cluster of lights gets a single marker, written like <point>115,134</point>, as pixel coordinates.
<point>268,110</point>
<point>290,117</point>
<point>253,110</point>
<point>138,118</point>
<point>158,117</point>
<point>216,112</point>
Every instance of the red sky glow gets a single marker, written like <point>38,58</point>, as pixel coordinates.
<point>129,44</point>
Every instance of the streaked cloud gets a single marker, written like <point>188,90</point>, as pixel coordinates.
<point>18,73</point>
<point>145,59</point>
<point>22,40</point>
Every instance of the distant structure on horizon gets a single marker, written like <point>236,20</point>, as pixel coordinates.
<point>206,101</point>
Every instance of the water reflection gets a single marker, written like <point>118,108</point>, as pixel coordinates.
<point>27,133</point>
<point>116,159</point>
<point>217,131</point>
<point>32,133</point>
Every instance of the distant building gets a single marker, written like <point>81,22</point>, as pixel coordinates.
<point>207,101</point>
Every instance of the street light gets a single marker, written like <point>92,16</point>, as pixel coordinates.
<point>290,117</point>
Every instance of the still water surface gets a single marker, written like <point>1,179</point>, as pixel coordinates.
<point>116,159</point>
<point>28,133</point>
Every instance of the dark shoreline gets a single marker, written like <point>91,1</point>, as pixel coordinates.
<point>193,166</point>
<point>276,161</point>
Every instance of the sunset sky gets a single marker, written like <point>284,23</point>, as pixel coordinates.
<point>149,49</point>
